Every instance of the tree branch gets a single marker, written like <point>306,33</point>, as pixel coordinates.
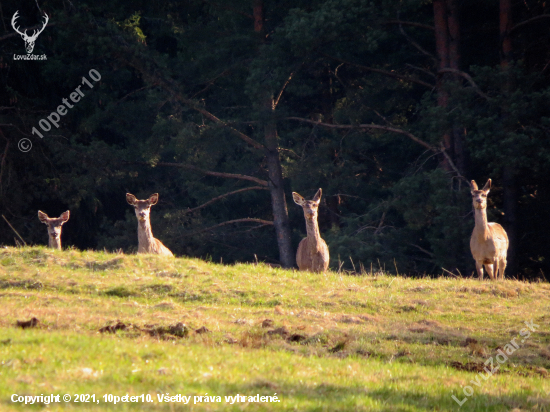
<point>16,128</point>
<point>230,222</point>
<point>368,126</point>
<point>429,73</point>
<point>416,45</point>
<point>528,21</point>
<point>384,72</point>
<point>410,23</point>
<point>215,199</point>
<point>387,129</point>
<point>207,172</point>
<point>210,82</point>
<point>132,92</point>
<point>276,101</point>
<point>468,78</point>
<point>422,250</point>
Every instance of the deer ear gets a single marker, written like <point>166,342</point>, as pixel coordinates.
<point>153,199</point>
<point>317,197</point>
<point>131,199</point>
<point>474,185</point>
<point>65,216</point>
<point>299,200</point>
<point>487,186</point>
<point>43,217</point>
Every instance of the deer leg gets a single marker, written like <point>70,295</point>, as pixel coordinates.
<point>502,267</point>
<point>489,269</point>
<point>479,269</point>
<point>496,268</point>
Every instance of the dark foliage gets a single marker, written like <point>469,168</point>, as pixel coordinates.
<point>180,110</point>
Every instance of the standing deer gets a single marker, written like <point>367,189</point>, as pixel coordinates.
<point>489,242</point>
<point>29,40</point>
<point>146,242</point>
<point>54,227</point>
<point>312,252</point>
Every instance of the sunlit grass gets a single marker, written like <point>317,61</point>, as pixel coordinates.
<point>320,341</point>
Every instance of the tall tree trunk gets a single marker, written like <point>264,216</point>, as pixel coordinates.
<point>453,18</point>
<point>275,171</point>
<point>457,137</point>
<point>442,49</point>
<point>447,42</point>
<point>278,200</point>
<point>258,13</point>
<point>509,177</point>
<point>505,25</point>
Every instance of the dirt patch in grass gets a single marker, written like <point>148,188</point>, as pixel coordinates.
<point>178,330</point>
<point>113,328</point>
<point>201,330</point>
<point>425,326</point>
<point>425,289</point>
<point>282,331</point>
<point>167,274</point>
<point>24,324</point>
<point>478,290</point>
<point>469,366</point>
<point>158,288</point>
<point>355,319</point>
<point>24,284</point>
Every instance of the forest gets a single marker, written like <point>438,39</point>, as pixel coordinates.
<point>224,108</point>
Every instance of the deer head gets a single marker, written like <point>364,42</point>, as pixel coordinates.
<point>142,207</point>
<point>54,225</point>
<point>479,197</point>
<point>310,206</point>
<point>29,40</point>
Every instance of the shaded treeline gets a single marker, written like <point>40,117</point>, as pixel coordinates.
<point>224,108</point>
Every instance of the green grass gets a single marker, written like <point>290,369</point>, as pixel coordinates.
<point>333,342</point>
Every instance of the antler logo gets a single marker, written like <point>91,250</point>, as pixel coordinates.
<point>29,40</point>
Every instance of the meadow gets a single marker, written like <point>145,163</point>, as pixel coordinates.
<point>115,324</point>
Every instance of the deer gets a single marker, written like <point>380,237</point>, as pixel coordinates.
<point>29,40</point>
<point>146,242</point>
<point>54,227</point>
<point>489,241</point>
<point>312,254</point>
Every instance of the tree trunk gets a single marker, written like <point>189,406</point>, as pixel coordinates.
<point>441,33</point>
<point>505,25</point>
<point>457,138</point>
<point>278,200</point>
<point>442,48</point>
<point>447,42</point>
<point>509,177</point>
<point>258,13</point>
<point>454,34</point>
<point>275,172</point>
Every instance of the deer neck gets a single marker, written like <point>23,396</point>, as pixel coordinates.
<point>54,242</point>
<point>312,228</point>
<point>481,229</point>
<point>145,234</point>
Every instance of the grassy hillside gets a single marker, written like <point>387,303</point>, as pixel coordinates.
<point>124,324</point>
